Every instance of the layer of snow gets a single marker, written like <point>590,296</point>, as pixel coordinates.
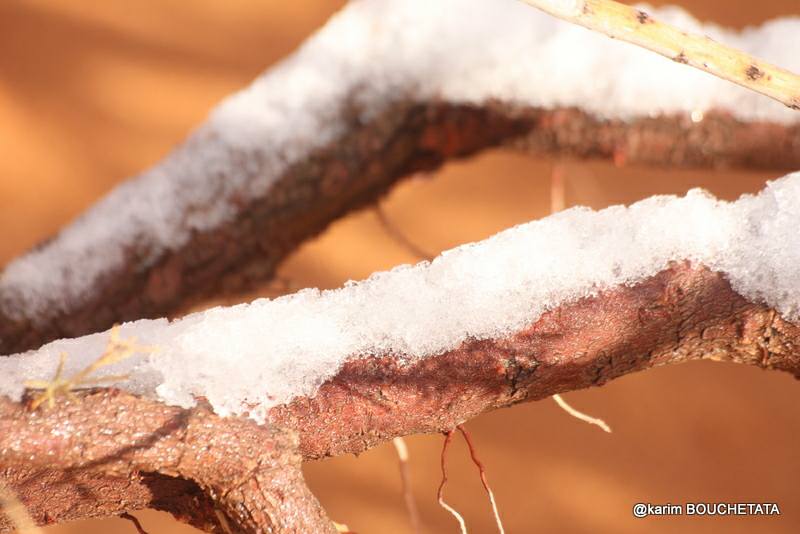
<point>250,357</point>
<point>373,52</point>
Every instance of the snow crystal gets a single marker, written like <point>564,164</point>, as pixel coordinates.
<point>250,357</point>
<point>377,51</point>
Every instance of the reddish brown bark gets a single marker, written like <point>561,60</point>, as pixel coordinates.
<point>680,314</point>
<point>142,454</point>
<point>110,452</point>
<point>360,166</point>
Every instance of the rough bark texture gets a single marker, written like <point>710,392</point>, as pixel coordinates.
<point>681,314</point>
<point>362,165</point>
<point>110,451</point>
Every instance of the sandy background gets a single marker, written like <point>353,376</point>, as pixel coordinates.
<point>93,92</point>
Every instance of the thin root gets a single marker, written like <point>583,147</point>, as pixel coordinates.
<point>448,437</point>
<point>580,415</point>
<point>484,480</point>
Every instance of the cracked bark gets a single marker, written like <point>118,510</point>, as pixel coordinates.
<point>356,170</point>
<point>137,453</point>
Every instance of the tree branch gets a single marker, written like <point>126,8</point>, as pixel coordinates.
<point>635,26</point>
<point>274,195</point>
<point>681,314</point>
<point>109,452</point>
<point>356,170</point>
<point>144,454</point>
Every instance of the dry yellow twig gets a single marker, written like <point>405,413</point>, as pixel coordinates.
<point>633,25</point>
<point>117,350</point>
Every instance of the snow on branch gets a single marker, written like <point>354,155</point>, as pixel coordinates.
<point>249,358</point>
<point>386,88</point>
<point>230,474</point>
<point>635,25</point>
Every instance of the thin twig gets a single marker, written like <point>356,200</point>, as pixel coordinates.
<point>135,520</point>
<point>484,480</point>
<point>398,236</point>
<point>633,25</point>
<point>448,437</point>
<point>405,477</point>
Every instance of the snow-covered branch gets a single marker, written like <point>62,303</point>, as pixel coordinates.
<point>249,358</point>
<point>143,454</point>
<point>386,88</point>
<point>564,303</point>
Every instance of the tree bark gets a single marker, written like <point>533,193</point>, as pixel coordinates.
<point>356,170</point>
<point>109,452</point>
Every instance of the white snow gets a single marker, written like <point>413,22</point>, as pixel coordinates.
<point>376,51</point>
<point>250,357</point>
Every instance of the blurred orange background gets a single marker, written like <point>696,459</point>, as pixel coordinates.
<point>93,92</point>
